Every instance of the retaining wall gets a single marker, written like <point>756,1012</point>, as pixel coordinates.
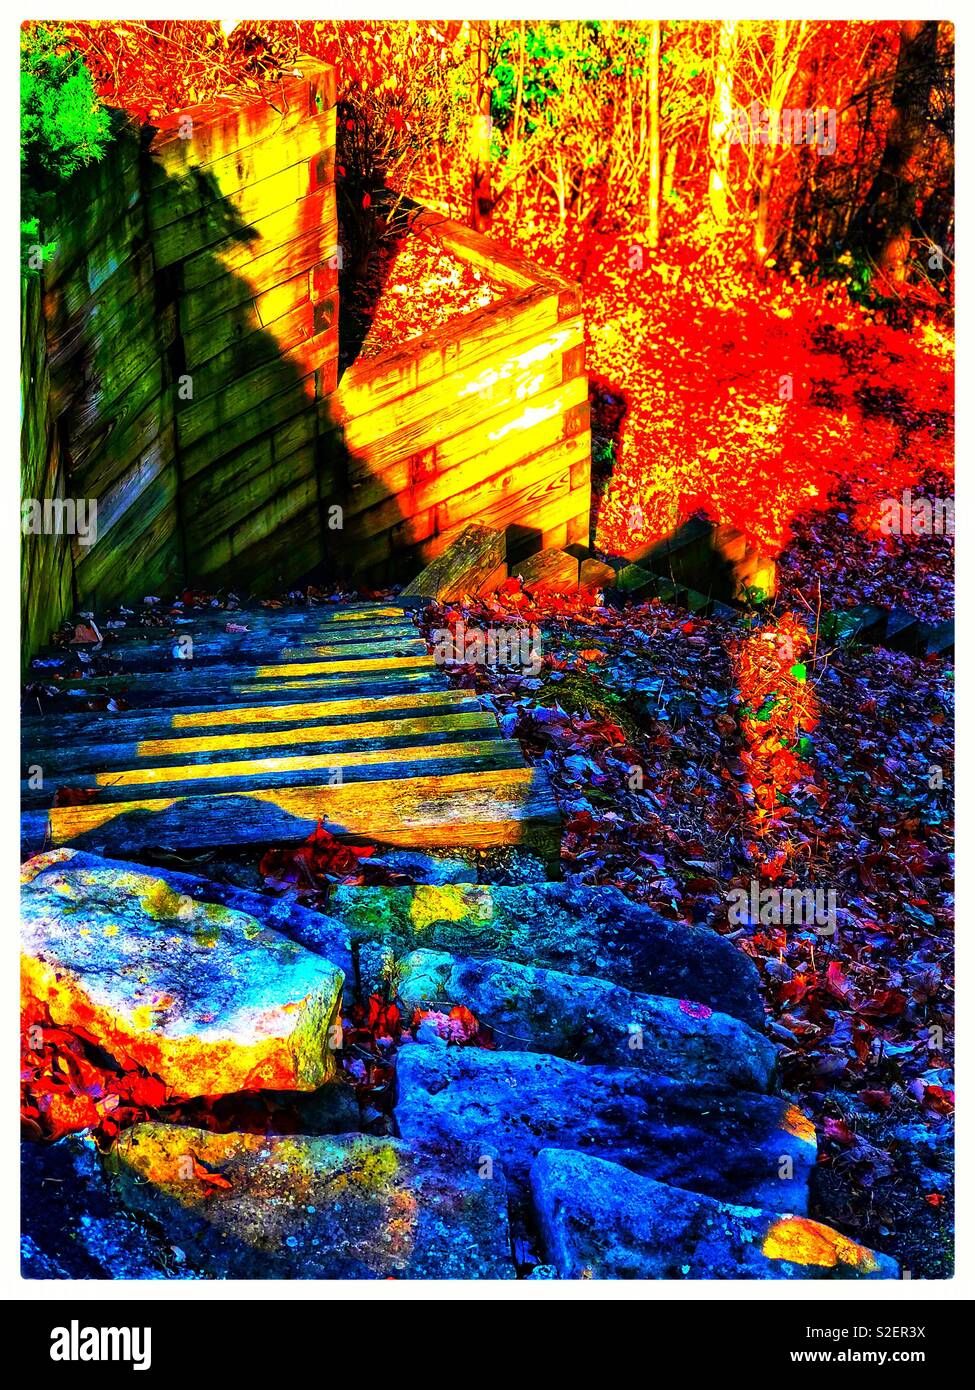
<point>191,391</point>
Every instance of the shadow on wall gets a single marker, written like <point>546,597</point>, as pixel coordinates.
<point>191,360</point>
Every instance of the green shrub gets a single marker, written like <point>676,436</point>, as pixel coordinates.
<point>62,125</point>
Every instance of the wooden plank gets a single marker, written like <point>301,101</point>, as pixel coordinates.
<point>255,345</point>
<point>248,427</point>
<point>457,464</point>
<point>222,680</point>
<point>235,123</point>
<point>264,533</point>
<point>270,288</point>
<point>248,652</point>
<point>130,492</point>
<point>462,567</point>
<point>199,776</point>
<point>495,470</point>
<point>289,370</point>
<point>142,542</point>
<point>369,764</point>
<point>85,432</point>
<point>491,256</point>
<point>309,622</point>
<point>408,724</point>
<point>501,388</point>
<point>548,478</point>
<point>91,755</point>
<point>107,456</point>
<point>359,665</point>
<point>156,642</point>
<point>374,382</point>
<point>174,188</point>
<point>511,806</point>
<point>496,379</point>
<point>59,730</point>
<point>235,244</point>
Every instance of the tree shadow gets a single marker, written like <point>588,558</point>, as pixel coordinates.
<point>193,344</point>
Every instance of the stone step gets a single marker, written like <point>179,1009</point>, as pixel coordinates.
<point>253,1206</point>
<point>590,1020</point>
<point>734,1146</point>
<point>571,927</point>
<point>601,1221</point>
<point>202,996</point>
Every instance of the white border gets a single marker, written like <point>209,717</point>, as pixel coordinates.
<point>11,1284</point>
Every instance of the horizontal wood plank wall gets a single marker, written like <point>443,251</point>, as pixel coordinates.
<point>46,567</point>
<point>485,419</point>
<point>191,309</point>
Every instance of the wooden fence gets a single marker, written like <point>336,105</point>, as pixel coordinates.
<point>191,309</point>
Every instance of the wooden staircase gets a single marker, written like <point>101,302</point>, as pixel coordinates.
<point>335,714</point>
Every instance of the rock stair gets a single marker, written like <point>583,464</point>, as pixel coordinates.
<point>624,1122</point>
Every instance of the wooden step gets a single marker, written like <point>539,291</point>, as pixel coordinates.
<point>268,732</point>
<point>253,740</point>
<point>510,806</point>
<point>184,684</point>
<point>207,651</point>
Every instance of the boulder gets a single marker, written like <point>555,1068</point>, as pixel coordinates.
<point>599,1220</point>
<point>590,1020</point>
<point>252,1206</point>
<point>731,1145</point>
<point>202,996</point>
<point>578,928</point>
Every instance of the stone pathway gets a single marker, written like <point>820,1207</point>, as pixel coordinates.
<point>623,1121</point>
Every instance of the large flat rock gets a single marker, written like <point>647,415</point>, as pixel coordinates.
<point>589,1020</point>
<point>250,1206</point>
<point>577,928</point>
<point>732,1145</point>
<point>201,995</point>
<point>601,1221</point>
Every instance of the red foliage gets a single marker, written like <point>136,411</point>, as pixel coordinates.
<point>69,1084</point>
<point>313,864</point>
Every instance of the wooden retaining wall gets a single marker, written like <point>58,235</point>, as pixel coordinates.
<point>191,324</point>
<point>485,419</point>
<point>191,309</point>
<point>46,566</point>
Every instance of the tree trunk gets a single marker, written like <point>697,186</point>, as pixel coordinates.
<point>786,53</point>
<point>481,199</point>
<point>719,131</point>
<point>653,101</point>
<point>890,207</point>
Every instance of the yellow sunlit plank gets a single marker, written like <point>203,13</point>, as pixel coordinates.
<point>316,733</point>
